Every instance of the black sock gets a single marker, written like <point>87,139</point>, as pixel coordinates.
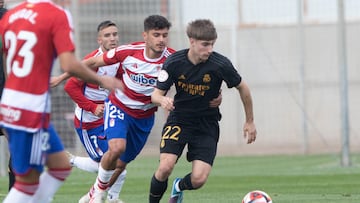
<point>157,190</point>
<point>185,183</point>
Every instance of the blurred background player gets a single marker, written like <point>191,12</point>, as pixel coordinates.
<point>89,111</point>
<point>197,74</point>
<point>31,43</point>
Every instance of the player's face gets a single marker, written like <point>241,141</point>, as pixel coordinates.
<point>1,3</point>
<point>201,49</point>
<point>108,38</point>
<point>156,41</point>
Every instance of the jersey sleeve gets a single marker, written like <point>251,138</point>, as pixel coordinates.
<point>117,55</point>
<point>63,33</point>
<point>230,75</point>
<point>74,88</point>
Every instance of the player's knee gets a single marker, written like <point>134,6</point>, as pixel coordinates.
<point>116,147</point>
<point>198,181</point>
<point>115,153</point>
<point>164,171</point>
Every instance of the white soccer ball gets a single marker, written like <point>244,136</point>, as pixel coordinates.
<point>257,196</point>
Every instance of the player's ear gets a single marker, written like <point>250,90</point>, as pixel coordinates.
<point>145,35</point>
<point>192,40</point>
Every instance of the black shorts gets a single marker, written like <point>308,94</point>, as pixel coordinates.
<point>200,134</point>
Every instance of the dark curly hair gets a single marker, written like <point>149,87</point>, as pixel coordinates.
<point>156,22</point>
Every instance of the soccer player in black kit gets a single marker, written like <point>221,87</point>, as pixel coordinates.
<point>197,74</point>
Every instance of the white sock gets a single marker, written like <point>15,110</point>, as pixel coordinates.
<point>86,164</point>
<point>102,179</point>
<point>115,189</point>
<point>47,188</point>
<point>15,196</point>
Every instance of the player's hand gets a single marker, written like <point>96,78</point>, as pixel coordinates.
<point>167,103</point>
<point>250,132</point>
<point>55,81</point>
<point>99,111</point>
<point>111,83</point>
<point>216,101</point>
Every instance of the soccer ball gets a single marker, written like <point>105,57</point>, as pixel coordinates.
<point>257,196</point>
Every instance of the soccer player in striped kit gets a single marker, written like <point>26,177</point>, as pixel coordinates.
<point>89,110</point>
<point>34,33</point>
<point>129,114</point>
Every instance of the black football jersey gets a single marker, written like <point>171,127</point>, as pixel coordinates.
<point>196,85</point>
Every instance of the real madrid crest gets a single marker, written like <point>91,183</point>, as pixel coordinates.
<point>206,78</point>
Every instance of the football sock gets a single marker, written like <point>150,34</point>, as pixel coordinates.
<point>115,189</point>
<point>103,178</point>
<point>21,192</point>
<point>185,183</point>
<point>157,190</point>
<point>16,196</point>
<point>50,182</point>
<point>86,164</point>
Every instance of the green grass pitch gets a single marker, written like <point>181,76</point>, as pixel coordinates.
<point>287,179</point>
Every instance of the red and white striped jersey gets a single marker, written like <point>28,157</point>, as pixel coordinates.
<point>87,96</point>
<point>34,33</point>
<point>139,75</point>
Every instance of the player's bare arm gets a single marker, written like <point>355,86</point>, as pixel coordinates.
<point>249,126</point>
<point>158,98</point>
<point>94,62</point>
<point>56,80</point>
<point>70,64</point>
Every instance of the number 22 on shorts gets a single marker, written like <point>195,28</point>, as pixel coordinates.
<point>170,132</point>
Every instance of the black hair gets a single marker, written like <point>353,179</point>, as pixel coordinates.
<point>156,22</point>
<point>105,24</point>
